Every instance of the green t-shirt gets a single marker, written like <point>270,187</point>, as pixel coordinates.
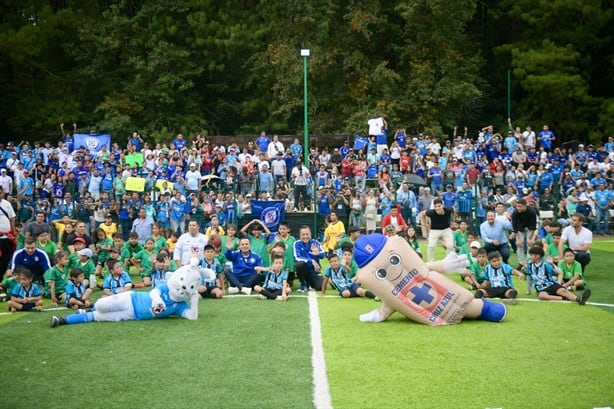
<point>50,248</point>
<point>259,246</point>
<point>552,251</point>
<point>147,261</point>
<point>159,243</point>
<point>103,255</point>
<point>460,239</point>
<point>8,284</point>
<point>478,271</point>
<point>88,268</point>
<point>548,239</point>
<point>289,252</point>
<point>129,251</point>
<point>59,276</point>
<point>235,246</point>
<point>353,269</point>
<point>570,271</point>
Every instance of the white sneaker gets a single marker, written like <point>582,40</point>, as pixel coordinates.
<point>233,290</point>
<point>261,297</point>
<point>246,290</point>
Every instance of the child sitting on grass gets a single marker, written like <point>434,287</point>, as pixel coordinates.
<point>118,280</point>
<point>337,275</point>
<point>26,296</point>
<point>545,283</point>
<point>212,281</point>
<point>498,280</point>
<point>275,285</point>
<point>77,293</point>
<point>570,275</point>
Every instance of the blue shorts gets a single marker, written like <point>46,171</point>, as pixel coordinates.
<point>352,289</point>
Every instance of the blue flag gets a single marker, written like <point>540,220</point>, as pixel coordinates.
<point>360,142</point>
<point>93,143</point>
<point>270,212</point>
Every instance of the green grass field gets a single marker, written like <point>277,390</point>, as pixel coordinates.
<point>246,353</point>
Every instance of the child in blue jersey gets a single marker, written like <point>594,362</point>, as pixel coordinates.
<point>275,285</point>
<point>118,280</point>
<point>77,293</point>
<point>337,275</point>
<point>498,279</point>
<point>26,296</point>
<point>545,282</point>
<point>178,296</point>
<point>212,278</point>
<point>157,275</point>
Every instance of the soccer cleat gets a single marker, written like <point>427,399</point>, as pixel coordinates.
<point>585,296</point>
<point>246,290</point>
<point>279,298</point>
<point>11,309</point>
<point>261,297</point>
<point>57,321</point>
<point>233,290</point>
<point>478,294</point>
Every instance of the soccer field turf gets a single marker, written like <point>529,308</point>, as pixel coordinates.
<point>246,353</point>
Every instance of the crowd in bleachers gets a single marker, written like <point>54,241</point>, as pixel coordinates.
<point>69,192</point>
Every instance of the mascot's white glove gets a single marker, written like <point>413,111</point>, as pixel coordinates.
<point>373,316</point>
<point>454,263</point>
<point>157,304</point>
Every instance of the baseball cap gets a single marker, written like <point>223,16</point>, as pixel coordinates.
<point>115,250</point>
<point>3,171</point>
<point>85,252</point>
<point>475,244</point>
<point>76,239</point>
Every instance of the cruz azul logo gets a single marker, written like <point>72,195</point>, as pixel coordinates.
<point>91,144</point>
<point>270,216</point>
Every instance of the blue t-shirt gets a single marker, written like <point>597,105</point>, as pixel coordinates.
<point>115,284</point>
<point>275,281</point>
<point>542,275</point>
<point>499,277</point>
<point>339,278</point>
<point>141,302</point>
<point>20,291</point>
<point>74,290</point>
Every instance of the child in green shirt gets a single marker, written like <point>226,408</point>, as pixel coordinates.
<point>571,276</point>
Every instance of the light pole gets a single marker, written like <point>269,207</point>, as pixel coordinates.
<point>305,53</point>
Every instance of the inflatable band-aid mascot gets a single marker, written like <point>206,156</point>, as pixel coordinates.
<point>392,270</point>
<point>178,296</point>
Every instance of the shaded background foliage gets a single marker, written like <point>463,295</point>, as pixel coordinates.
<point>233,67</point>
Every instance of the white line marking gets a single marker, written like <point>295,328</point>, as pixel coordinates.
<point>321,393</point>
<point>597,304</point>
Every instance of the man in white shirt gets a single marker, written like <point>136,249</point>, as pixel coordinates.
<point>7,224</point>
<point>192,178</point>
<point>528,138</point>
<point>190,244</point>
<point>6,182</point>
<point>578,238</point>
<point>274,147</point>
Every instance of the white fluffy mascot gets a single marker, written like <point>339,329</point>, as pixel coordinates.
<point>178,296</point>
<point>392,270</point>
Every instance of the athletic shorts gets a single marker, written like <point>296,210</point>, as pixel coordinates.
<point>352,289</point>
<point>208,293</point>
<point>497,292</point>
<point>28,307</point>
<point>552,289</point>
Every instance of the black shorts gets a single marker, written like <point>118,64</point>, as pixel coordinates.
<point>552,289</point>
<point>29,306</point>
<point>208,293</point>
<point>276,292</point>
<point>352,289</point>
<point>497,292</point>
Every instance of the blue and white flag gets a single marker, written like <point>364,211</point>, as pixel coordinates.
<point>270,212</point>
<point>93,143</point>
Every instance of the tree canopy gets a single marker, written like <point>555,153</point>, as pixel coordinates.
<point>233,67</point>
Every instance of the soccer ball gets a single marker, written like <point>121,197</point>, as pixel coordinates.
<point>215,241</point>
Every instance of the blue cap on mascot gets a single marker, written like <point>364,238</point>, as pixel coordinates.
<point>368,247</point>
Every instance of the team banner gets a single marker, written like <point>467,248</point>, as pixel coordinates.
<point>93,143</point>
<point>134,184</point>
<point>270,212</point>
<point>135,159</point>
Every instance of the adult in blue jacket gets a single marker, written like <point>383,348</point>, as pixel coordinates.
<point>245,267</point>
<point>307,255</point>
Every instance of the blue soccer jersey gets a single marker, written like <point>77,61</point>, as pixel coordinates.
<point>213,268</point>
<point>74,290</point>
<point>141,302</point>
<point>275,281</point>
<point>500,277</point>
<point>542,275</point>
<point>115,284</point>
<point>339,278</point>
<point>20,291</point>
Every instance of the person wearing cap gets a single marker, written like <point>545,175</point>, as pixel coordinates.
<point>193,178</point>
<point>6,182</point>
<point>587,211</point>
<point>32,258</point>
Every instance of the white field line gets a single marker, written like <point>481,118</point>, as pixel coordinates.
<point>321,393</point>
